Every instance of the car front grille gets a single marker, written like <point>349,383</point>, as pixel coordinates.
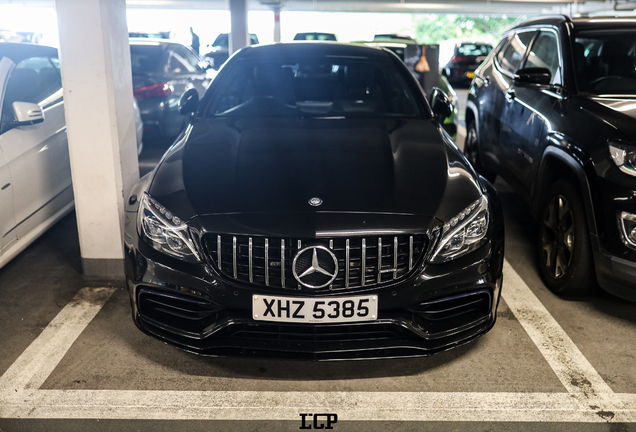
<point>268,261</point>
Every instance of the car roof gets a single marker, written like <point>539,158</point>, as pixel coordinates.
<point>581,22</point>
<point>472,43</point>
<point>18,51</point>
<point>311,49</point>
<point>152,42</point>
<point>604,22</point>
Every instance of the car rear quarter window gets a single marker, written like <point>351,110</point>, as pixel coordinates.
<point>315,87</point>
<point>509,59</point>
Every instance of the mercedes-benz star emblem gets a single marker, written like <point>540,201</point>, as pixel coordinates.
<point>315,201</point>
<point>315,267</point>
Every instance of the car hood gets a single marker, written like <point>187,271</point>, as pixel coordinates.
<point>619,112</point>
<point>235,167</point>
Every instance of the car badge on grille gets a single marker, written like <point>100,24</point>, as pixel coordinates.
<point>315,201</point>
<point>315,267</point>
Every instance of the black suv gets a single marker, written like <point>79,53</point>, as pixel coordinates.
<point>552,110</point>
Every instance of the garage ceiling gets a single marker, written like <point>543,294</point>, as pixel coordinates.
<point>512,7</point>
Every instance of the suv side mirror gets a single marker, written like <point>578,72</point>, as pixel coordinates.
<point>440,104</point>
<point>26,113</point>
<point>189,102</point>
<point>533,75</point>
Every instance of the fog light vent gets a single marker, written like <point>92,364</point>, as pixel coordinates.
<point>627,222</point>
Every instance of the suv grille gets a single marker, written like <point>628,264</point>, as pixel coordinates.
<point>268,261</point>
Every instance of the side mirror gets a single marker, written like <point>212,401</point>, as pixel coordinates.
<point>441,104</point>
<point>532,75</point>
<point>26,113</point>
<point>189,102</point>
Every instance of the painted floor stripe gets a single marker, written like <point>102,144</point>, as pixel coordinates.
<point>39,360</point>
<point>587,397</point>
<point>237,405</point>
<point>568,363</point>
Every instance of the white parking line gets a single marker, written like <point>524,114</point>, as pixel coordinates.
<point>568,363</point>
<point>588,397</point>
<point>37,362</point>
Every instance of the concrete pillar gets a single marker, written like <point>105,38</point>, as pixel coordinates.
<point>277,24</point>
<point>239,36</point>
<point>98,102</point>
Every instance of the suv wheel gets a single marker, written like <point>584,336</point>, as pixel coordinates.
<point>565,257</point>
<point>470,150</point>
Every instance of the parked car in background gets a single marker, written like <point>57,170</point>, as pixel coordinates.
<point>409,51</point>
<point>467,56</point>
<point>314,210</point>
<point>220,49</point>
<point>11,36</point>
<point>150,35</point>
<point>393,36</point>
<point>552,110</point>
<point>316,37</point>
<point>35,173</point>
<point>162,71</point>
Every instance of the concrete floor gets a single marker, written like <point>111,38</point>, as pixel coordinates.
<point>72,362</point>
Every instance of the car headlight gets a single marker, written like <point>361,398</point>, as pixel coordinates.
<point>624,156</point>
<point>463,233</point>
<point>164,231</point>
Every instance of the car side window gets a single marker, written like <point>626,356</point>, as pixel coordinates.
<point>545,54</point>
<point>32,80</point>
<point>509,59</point>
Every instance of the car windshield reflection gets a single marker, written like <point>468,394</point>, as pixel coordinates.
<point>315,87</point>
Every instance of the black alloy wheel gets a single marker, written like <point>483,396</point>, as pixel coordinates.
<point>564,254</point>
<point>471,146</point>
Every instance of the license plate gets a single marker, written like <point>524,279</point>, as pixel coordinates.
<point>314,310</point>
<point>470,74</point>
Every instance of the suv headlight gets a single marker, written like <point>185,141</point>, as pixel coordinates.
<point>164,231</point>
<point>463,233</point>
<point>624,156</point>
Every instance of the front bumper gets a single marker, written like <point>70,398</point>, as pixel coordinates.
<point>435,308</point>
<point>614,261</point>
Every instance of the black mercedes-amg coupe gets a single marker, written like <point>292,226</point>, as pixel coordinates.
<point>314,208</point>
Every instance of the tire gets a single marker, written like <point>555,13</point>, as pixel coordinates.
<point>471,147</point>
<point>564,253</point>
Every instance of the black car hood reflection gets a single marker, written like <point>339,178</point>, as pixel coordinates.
<point>276,165</point>
<point>620,112</point>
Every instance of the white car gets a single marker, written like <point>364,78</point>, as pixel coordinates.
<point>35,172</point>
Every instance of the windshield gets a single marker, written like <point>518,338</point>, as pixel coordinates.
<point>315,87</point>
<point>605,61</point>
<point>145,58</point>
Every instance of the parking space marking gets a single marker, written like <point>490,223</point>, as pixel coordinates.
<point>566,360</point>
<point>258,405</point>
<point>587,397</point>
<point>39,360</point>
